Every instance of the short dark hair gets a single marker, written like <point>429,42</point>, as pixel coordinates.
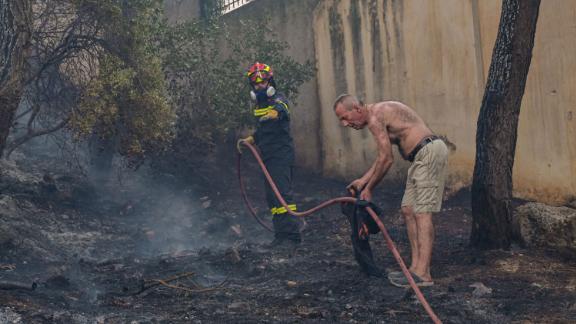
<point>347,100</point>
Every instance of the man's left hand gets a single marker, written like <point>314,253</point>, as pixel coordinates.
<point>366,194</point>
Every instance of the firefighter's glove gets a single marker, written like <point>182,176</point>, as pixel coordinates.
<point>249,140</point>
<point>271,115</point>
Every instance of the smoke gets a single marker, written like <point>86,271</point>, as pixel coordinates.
<point>165,214</point>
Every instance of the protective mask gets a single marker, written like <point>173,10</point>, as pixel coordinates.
<point>262,95</point>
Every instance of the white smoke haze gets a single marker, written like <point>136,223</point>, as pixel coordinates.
<point>167,215</point>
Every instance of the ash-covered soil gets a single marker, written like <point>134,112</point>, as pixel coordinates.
<point>160,248</point>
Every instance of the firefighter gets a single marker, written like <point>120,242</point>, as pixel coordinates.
<point>273,138</point>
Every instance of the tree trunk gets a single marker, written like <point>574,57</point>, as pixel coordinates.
<point>498,123</point>
<point>15,31</point>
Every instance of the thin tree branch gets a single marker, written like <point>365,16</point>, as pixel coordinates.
<point>31,134</point>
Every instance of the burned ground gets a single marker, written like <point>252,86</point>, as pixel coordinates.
<point>111,254</point>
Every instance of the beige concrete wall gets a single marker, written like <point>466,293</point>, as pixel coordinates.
<point>434,55</point>
<point>419,52</point>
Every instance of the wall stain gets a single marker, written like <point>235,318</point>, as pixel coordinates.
<point>337,49</point>
<point>398,21</point>
<point>338,59</point>
<point>355,21</point>
<point>385,19</point>
<point>377,64</point>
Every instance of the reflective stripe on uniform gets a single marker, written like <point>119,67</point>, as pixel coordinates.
<point>262,111</point>
<point>285,106</point>
<point>282,210</point>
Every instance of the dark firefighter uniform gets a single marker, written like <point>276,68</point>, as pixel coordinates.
<point>273,138</point>
<point>277,148</point>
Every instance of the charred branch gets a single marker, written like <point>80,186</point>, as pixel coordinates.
<point>12,285</point>
<point>34,133</point>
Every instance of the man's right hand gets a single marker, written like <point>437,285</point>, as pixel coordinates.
<point>249,140</point>
<point>356,186</point>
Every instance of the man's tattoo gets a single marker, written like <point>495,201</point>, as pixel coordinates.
<point>405,116</point>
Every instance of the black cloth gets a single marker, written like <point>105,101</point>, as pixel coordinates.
<point>359,218</point>
<point>273,137</point>
<point>286,226</point>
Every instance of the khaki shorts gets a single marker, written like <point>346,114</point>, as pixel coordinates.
<point>426,178</point>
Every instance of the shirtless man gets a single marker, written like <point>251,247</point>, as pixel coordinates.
<point>392,122</point>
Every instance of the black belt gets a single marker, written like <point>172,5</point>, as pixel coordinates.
<point>420,145</point>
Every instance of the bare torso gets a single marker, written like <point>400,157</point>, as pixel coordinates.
<point>403,126</point>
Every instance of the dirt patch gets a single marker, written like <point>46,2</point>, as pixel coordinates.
<point>113,259</point>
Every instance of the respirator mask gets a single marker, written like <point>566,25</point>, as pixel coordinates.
<point>263,94</point>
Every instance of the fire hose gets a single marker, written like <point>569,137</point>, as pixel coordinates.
<point>327,203</point>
